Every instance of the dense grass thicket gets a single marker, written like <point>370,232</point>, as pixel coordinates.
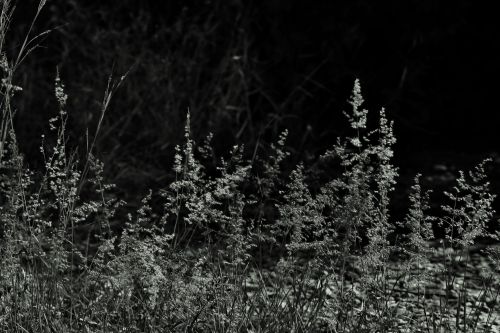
<point>234,244</point>
<point>177,59</point>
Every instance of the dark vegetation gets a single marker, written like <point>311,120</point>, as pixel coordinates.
<point>247,71</point>
<point>121,213</point>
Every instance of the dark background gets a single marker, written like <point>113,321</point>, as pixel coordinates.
<point>248,69</point>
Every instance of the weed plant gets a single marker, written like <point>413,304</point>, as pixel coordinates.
<point>239,247</point>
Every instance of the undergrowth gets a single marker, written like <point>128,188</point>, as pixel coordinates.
<point>239,246</point>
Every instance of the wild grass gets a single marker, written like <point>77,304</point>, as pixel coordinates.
<point>242,247</point>
<point>195,58</point>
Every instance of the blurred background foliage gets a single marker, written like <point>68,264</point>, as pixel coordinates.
<point>246,70</point>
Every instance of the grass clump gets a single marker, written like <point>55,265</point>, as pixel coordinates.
<point>236,245</point>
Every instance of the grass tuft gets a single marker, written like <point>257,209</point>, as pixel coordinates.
<point>242,246</point>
